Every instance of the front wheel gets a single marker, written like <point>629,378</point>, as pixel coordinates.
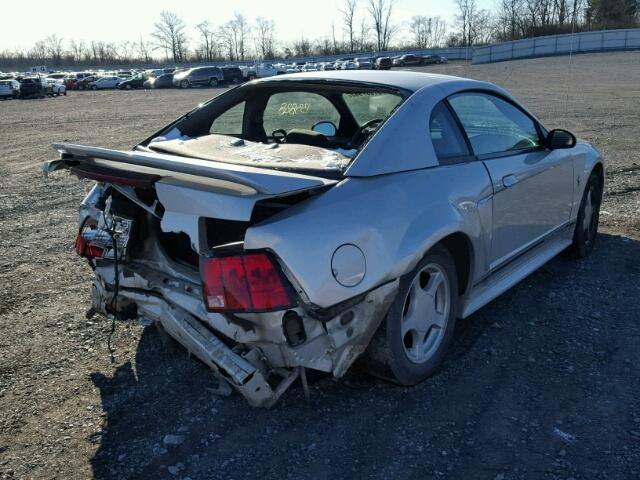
<point>584,235</point>
<point>413,340</point>
<point>184,84</point>
<point>213,82</point>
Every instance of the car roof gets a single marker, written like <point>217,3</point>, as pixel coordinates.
<point>412,81</point>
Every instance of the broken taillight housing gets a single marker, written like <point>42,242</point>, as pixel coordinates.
<point>249,282</point>
<point>86,235</point>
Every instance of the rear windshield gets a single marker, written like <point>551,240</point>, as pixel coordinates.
<point>286,126</point>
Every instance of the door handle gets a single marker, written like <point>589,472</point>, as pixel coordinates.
<point>509,180</point>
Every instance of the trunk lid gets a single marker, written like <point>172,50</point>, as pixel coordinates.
<point>189,195</point>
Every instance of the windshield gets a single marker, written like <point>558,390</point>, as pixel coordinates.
<point>366,107</point>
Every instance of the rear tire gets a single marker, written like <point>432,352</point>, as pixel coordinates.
<point>413,340</point>
<point>184,84</point>
<point>213,82</point>
<point>586,231</point>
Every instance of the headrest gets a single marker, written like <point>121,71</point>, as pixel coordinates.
<point>307,137</point>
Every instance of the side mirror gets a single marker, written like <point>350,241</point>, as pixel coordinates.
<point>559,138</point>
<point>328,129</point>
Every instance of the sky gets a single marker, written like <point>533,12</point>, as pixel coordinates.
<point>119,20</point>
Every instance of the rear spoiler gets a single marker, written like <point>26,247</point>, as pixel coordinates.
<point>262,180</point>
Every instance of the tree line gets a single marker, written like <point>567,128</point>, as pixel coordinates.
<point>361,25</point>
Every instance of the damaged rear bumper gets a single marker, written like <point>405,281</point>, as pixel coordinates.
<point>250,352</point>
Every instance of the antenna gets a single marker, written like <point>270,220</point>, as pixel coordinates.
<point>569,71</point>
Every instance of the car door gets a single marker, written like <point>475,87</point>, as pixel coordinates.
<point>532,185</point>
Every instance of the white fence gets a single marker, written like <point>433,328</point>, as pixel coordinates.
<point>559,45</point>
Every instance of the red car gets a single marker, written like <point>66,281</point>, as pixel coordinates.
<point>77,81</point>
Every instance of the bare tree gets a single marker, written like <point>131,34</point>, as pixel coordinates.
<point>39,50</point>
<point>124,51</point>
<point>333,38</point>
<point>348,21</point>
<point>54,48</point>
<point>301,48</point>
<point>265,38</point>
<point>234,35</point>
<point>381,12</point>
<point>427,31</point>
<point>208,44</point>
<point>243,29</point>
<point>170,35</point>
<point>482,27</point>
<point>78,50</point>
<point>510,19</point>
<point>467,10</point>
<point>143,48</point>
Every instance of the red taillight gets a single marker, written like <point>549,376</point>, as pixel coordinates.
<point>243,283</point>
<point>83,242</point>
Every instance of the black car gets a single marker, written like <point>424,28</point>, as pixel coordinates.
<point>383,63</point>
<point>408,60</point>
<point>35,87</point>
<point>134,82</point>
<point>232,74</point>
<point>161,81</point>
<point>429,60</point>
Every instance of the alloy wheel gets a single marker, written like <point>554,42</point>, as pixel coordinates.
<point>425,313</point>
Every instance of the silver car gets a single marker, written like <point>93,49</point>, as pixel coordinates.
<point>308,220</point>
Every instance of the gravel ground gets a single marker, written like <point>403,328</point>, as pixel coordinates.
<point>541,383</point>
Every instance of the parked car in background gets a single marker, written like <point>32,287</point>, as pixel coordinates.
<point>161,81</point>
<point>428,60</point>
<point>57,86</point>
<point>263,70</point>
<point>327,66</point>
<point>440,59</point>
<point>383,63</point>
<point>102,83</point>
<point>77,81</point>
<point>408,60</point>
<point>9,89</point>
<point>199,76</point>
<point>137,81</point>
<point>35,87</point>
<point>232,75</point>
<point>348,65</point>
<point>57,75</point>
<point>364,63</point>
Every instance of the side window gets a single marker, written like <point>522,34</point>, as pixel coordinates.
<point>229,122</point>
<point>494,125</point>
<point>288,110</point>
<point>370,106</point>
<point>448,141</point>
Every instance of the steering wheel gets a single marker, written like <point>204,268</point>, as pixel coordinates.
<point>365,131</point>
<point>279,135</point>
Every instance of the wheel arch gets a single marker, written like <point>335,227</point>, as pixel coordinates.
<point>598,170</point>
<point>459,246</point>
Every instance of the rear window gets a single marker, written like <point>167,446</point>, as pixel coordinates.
<point>370,106</point>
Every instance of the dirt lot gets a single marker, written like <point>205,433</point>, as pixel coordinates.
<point>542,383</point>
